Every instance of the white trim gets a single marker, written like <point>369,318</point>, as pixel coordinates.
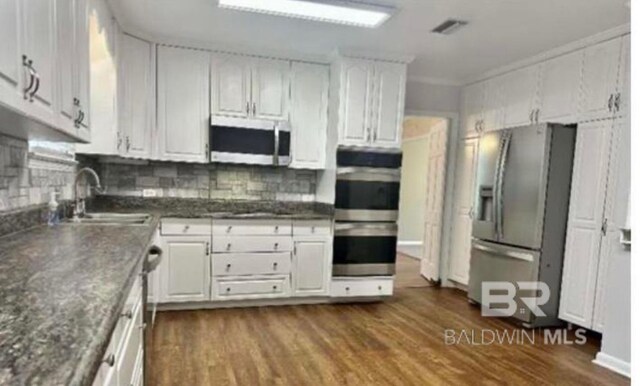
<point>410,243</point>
<point>435,81</point>
<point>554,52</point>
<point>373,55</point>
<point>212,304</point>
<point>51,162</point>
<point>614,364</point>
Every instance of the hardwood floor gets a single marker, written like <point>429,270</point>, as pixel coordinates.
<point>408,273</point>
<point>396,342</point>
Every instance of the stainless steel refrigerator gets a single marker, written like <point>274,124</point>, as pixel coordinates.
<point>520,213</point>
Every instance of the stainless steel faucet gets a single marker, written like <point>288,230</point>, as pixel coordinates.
<point>79,208</point>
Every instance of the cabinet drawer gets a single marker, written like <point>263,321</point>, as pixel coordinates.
<point>179,226</point>
<point>126,361</point>
<point>252,227</point>
<point>312,228</point>
<point>237,264</point>
<point>254,288</point>
<point>232,244</point>
<point>127,315</point>
<point>360,287</point>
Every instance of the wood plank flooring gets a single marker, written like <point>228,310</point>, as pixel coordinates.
<point>408,273</point>
<point>396,342</point>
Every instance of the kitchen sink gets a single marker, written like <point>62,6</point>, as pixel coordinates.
<point>113,219</point>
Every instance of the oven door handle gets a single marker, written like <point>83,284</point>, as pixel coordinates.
<point>366,229</point>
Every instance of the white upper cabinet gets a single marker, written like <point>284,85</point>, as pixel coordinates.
<point>247,87</point>
<point>388,104</point>
<point>39,26</point>
<point>600,80</point>
<point>83,66</point>
<point>183,104</point>
<point>560,88</point>
<point>493,106</point>
<point>12,71</point>
<point>230,86</point>
<point>371,107</point>
<point>624,79</point>
<point>309,110</point>
<point>472,104</point>
<point>356,80</point>
<point>135,99</point>
<point>520,90</point>
<point>270,89</point>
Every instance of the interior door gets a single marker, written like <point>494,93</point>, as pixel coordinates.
<point>584,226</point>
<point>270,89</point>
<point>357,78</point>
<point>230,85</point>
<point>12,72</point>
<point>388,104</point>
<point>460,245</point>
<point>520,94</point>
<point>436,172</point>
<point>523,186</point>
<point>560,88</point>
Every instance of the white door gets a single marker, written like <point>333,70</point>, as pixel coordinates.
<point>493,107</point>
<point>230,85</point>
<point>560,88</point>
<point>309,110</point>
<point>12,72</point>
<point>83,65</point>
<point>183,104</point>
<point>186,273</point>
<point>584,226</point>
<point>436,171</point>
<point>39,46</point>
<point>472,104</point>
<point>520,96</point>
<point>600,80</point>
<point>135,96</point>
<point>311,268</point>
<point>270,89</point>
<point>355,111</point>
<point>66,65</point>
<point>388,104</point>
<point>460,248</point>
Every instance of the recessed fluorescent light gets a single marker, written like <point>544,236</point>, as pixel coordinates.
<point>330,11</point>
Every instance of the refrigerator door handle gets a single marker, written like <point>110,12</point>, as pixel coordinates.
<point>502,165</point>
<point>496,182</point>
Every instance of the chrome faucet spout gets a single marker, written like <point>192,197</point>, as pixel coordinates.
<point>79,202</point>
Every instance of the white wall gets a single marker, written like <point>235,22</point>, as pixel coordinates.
<point>432,97</point>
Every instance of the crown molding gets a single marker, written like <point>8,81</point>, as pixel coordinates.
<point>434,81</point>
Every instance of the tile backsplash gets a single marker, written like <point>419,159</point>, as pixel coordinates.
<point>213,181</point>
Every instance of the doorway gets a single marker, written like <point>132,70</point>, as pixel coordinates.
<point>424,149</point>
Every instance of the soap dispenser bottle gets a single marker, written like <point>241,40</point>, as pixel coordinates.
<point>53,216</point>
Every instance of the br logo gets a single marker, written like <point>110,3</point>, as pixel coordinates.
<point>499,297</point>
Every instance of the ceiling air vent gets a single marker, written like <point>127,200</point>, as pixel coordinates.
<point>450,26</point>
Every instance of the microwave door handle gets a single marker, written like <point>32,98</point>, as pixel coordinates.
<point>503,166</point>
<point>276,144</point>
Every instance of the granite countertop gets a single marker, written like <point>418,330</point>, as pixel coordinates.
<point>61,292</point>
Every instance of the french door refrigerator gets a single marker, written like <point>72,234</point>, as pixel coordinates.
<point>520,214</point>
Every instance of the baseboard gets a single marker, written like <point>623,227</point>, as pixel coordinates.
<point>410,248</point>
<point>614,364</point>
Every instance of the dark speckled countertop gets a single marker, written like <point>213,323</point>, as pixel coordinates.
<point>61,291</point>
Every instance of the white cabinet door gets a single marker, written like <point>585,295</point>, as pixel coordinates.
<point>520,96</point>
<point>66,65</point>
<point>493,106</point>
<point>183,104</point>
<point>584,226</point>
<point>82,61</point>
<point>624,79</point>
<point>355,102</point>
<point>600,80</point>
<point>309,104</point>
<point>12,73</point>
<point>39,47</point>
<point>230,85</point>
<point>463,211</point>
<point>472,104</point>
<point>560,88</point>
<point>311,267</point>
<point>135,96</point>
<point>388,104</point>
<point>270,89</point>
<point>186,273</point>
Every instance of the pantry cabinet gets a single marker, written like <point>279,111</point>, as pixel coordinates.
<point>186,273</point>
<point>599,91</point>
<point>247,87</point>
<point>309,115</point>
<point>520,96</point>
<point>371,106</point>
<point>183,104</point>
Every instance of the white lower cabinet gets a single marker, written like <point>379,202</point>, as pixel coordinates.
<point>361,287</point>
<point>312,266</point>
<point>253,287</point>
<point>185,269</point>
<point>122,363</point>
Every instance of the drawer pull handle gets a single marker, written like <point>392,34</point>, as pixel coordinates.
<point>229,229</point>
<point>275,246</point>
<point>275,287</point>
<point>228,289</point>
<point>275,266</point>
<point>228,246</point>
<point>128,314</point>
<point>186,228</point>
<point>110,360</point>
<point>379,288</point>
<point>347,288</point>
<point>228,268</point>
<point>313,229</point>
<point>277,229</point>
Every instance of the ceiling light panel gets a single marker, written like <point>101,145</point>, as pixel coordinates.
<point>338,12</point>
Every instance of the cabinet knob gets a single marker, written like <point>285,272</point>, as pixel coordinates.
<point>275,266</point>
<point>313,229</point>
<point>276,229</point>
<point>228,289</point>
<point>275,246</point>
<point>110,360</point>
<point>229,247</point>
<point>229,229</point>
<point>186,227</point>
<point>228,267</point>
<point>379,288</point>
<point>275,287</point>
<point>347,289</point>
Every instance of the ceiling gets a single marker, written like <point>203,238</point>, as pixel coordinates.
<point>499,31</point>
